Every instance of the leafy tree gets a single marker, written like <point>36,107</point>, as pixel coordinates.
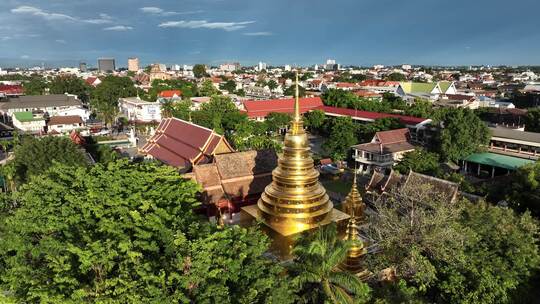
<point>34,86</point>
<point>127,233</point>
<point>314,120</point>
<point>272,84</point>
<point>532,120</point>
<point>199,70</point>
<point>219,114</point>
<point>316,274</point>
<point>420,108</point>
<point>348,77</point>
<point>275,121</point>
<point>367,131</point>
<point>342,137</point>
<point>396,77</point>
<point>420,161</point>
<point>189,89</point>
<point>104,98</point>
<point>291,91</point>
<point>207,88</point>
<point>462,133</point>
<point>229,85</point>
<point>339,98</point>
<point>524,190</point>
<point>72,85</point>
<point>181,110</point>
<point>35,155</point>
<point>240,93</point>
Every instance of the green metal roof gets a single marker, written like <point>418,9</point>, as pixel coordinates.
<point>498,160</point>
<point>418,87</point>
<point>25,116</point>
<point>444,85</point>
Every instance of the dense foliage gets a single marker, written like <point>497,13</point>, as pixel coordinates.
<point>104,98</point>
<point>420,161</point>
<point>72,85</point>
<point>35,155</point>
<point>462,133</point>
<point>126,233</point>
<point>342,136</point>
<point>523,192</point>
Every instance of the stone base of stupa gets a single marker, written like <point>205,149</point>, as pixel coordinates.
<point>283,238</point>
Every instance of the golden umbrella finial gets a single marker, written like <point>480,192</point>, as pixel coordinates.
<point>353,204</point>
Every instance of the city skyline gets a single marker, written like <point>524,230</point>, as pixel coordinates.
<point>304,33</point>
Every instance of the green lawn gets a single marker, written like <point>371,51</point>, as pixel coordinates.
<point>337,186</point>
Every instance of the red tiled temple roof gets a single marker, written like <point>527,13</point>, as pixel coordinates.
<point>180,143</point>
<point>261,108</point>
<point>370,116</point>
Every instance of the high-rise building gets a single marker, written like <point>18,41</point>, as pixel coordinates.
<point>82,67</point>
<point>133,64</point>
<point>262,66</point>
<point>106,65</point>
<point>287,67</point>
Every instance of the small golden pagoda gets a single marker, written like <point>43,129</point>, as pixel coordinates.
<point>354,206</point>
<point>295,201</point>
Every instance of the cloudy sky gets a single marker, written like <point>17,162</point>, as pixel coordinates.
<point>361,32</point>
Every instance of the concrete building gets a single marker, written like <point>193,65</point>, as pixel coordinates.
<point>30,122</point>
<point>229,67</point>
<point>82,67</point>
<point>64,124</point>
<point>53,105</point>
<point>385,149</point>
<point>133,64</point>
<point>106,65</point>
<point>261,66</point>
<point>136,109</point>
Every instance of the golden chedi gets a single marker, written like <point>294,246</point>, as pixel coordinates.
<point>295,201</point>
<point>354,206</point>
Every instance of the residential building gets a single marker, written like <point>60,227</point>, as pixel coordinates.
<point>385,149</point>
<point>52,105</point>
<point>261,66</point>
<point>381,86</point>
<point>93,81</point>
<point>366,116</point>
<point>31,122</point>
<point>133,64</point>
<point>138,110</point>
<point>458,101</point>
<point>171,94</point>
<point>229,66</point>
<point>429,90</point>
<point>82,67</point>
<point>64,124</point>
<point>106,65</point>
<point>183,144</point>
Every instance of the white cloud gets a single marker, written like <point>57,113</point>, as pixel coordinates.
<point>194,24</point>
<point>25,57</point>
<point>62,41</point>
<point>118,28</point>
<point>5,38</point>
<point>258,34</point>
<point>34,11</point>
<point>161,12</point>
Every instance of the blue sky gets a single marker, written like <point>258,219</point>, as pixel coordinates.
<point>360,32</point>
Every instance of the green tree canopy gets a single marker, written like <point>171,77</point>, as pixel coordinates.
<point>35,155</point>
<point>72,85</point>
<point>272,84</point>
<point>315,271</point>
<point>229,85</point>
<point>127,233</point>
<point>207,88</point>
<point>34,86</point>
<point>275,121</point>
<point>291,91</point>
<point>104,98</point>
<point>524,190</point>
<point>220,114</point>
<point>314,120</point>
<point>532,121</point>
<point>462,133</point>
<point>199,70</point>
<point>420,108</point>
<point>420,161</point>
<point>396,77</point>
<point>342,137</point>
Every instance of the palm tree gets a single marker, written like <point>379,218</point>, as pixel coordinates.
<point>316,272</point>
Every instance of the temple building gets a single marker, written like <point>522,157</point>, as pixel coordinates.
<point>295,201</point>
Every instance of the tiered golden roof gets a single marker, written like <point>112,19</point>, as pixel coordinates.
<point>295,200</point>
<point>353,204</point>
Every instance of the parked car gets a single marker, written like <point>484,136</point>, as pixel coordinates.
<point>330,169</point>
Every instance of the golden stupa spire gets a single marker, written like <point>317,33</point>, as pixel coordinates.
<point>353,204</point>
<point>296,100</point>
<point>295,200</point>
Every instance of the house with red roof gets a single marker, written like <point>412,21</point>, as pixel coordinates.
<point>93,81</point>
<point>259,109</point>
<point>183,144</point>
<point>385,149</point>
<point>171,94</point>
<point>366,116</point>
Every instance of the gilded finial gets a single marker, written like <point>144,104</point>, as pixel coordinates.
<point>353,204</point>
<point>296,101</point>
<point>353,261</point>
